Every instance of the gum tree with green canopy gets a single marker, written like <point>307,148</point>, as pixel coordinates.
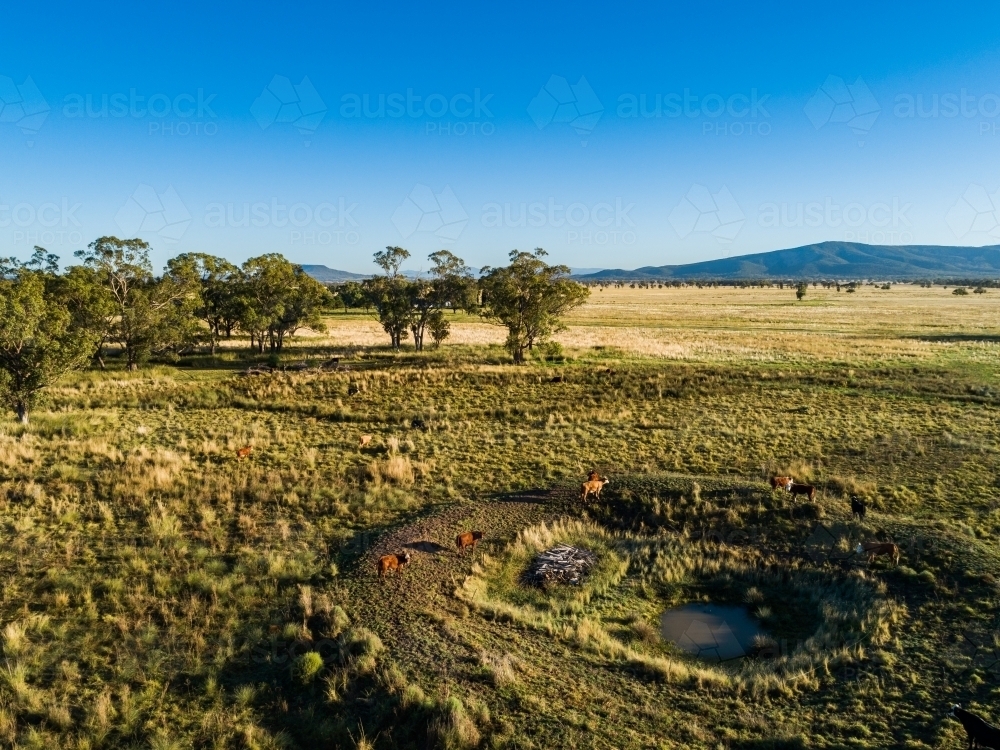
<point>390,294</point>
<point>90,303</point>
<point>40,338</point>
<point>529,298</point>
<point>276,298</point>
<point>351,294</point>
<point>450,286</point>
<point>217,280</point>
<point>151,315</point>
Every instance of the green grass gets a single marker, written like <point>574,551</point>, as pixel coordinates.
<point>156,592</point>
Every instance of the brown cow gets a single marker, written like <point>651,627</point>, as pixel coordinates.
<point>593,476</point>
<point>876,549</point>
<point>388,563</point>
<point>243,452</point>
<point>468,539</point>
<point>593,487</point>
<point>365,440</point>
<point>781,482</point>
<point>802,489</point>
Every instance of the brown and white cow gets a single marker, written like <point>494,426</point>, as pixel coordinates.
<point>781,483</point>
<point>878,549</point>
<point>389,563</point>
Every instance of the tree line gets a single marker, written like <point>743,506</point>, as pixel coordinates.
<point>53,321</point>
<point>528,297</point>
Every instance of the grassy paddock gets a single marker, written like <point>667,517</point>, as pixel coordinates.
<point>835,618</point>
<point>157,592</point>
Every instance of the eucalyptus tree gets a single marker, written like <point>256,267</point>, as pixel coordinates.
<point>529,298</point>
<point>40,338</point>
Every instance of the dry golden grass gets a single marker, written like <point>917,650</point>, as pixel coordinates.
<point>731,324</point>
<point>149,576</point>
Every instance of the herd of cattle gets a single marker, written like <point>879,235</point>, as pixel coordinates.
<point>389,563</point>
<point>595,483</point>
<point>859,509</point>
<point>980,732</point>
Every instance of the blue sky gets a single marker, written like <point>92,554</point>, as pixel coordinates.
<point>612,136</point>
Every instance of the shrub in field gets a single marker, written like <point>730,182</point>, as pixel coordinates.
<point>308,666</point>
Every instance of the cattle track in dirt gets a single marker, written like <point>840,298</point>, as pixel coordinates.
<point>397,607</point>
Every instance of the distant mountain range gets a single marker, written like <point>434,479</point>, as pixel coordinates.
<point>331,275</point>
<point>825,260</point>
<point>830,260</point>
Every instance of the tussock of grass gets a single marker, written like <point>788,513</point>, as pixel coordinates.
<point>454,729</point>
<point>502,669</point>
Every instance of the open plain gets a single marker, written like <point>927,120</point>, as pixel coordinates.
<point>158,592</point>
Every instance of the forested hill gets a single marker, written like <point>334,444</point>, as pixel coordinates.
<point>832,260</point>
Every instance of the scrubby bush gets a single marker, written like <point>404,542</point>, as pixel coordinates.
<point>308,666</point>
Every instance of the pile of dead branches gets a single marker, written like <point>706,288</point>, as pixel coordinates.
<point>561,564</point>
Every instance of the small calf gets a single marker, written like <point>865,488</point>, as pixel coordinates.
<point>781,483</point>
<point>858,508</point>
<point>801,489</point>
<point>593,487</point>
<point>389,563</point>
<point>243,452</point>
<point>877,549</point>
<point>981,732</point>
<point>365,440</point>
<point>468,539</point>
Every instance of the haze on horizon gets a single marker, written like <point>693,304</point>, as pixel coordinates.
<point>613,137</point>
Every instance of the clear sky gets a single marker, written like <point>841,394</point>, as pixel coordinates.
<point>611,134</point>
